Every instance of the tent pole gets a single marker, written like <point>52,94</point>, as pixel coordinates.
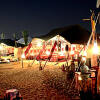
<point>38,55</point>
<point>52,50</point>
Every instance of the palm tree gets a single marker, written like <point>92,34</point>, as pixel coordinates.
<point>15,37</point>
<point>25,36</point>
<point>2,35</point>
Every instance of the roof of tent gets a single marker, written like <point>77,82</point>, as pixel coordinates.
<point>10,42</point>
<point>59,38</point>
<point>21,41</point>
<point>35,41</point>
<point>74,34</point>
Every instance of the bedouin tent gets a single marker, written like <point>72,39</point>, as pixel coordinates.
<point>6,50</point>
<point>40,49</point>
<point>21,41</point>
<point>46,46</point>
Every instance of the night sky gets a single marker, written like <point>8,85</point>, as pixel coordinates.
<point>38,17</point>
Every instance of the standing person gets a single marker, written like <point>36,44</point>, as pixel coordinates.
<point>98,60</point>
<point>72,66</point>
<point>79,60</point>
<point>72,70</point>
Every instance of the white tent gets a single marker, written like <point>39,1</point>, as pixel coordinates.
<point>21,41</point>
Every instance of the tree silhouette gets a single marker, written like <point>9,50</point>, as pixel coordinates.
<point>25,36</point>
<point>2,35</point>
<point>15,37</point>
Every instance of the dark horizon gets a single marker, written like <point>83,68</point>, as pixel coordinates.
<point>40,17</point>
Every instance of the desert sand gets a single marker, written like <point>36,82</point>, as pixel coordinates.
<point>51,83</point>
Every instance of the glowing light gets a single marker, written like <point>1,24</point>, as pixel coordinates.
<point>72,52</point>
<point>95,48</point>
<point>32,54</point>
<point>76,56</point>
<point>98,4</point>
<point>7,60</point>
<point>85,53</point>
<point>93,74</point>
<point>79,73</point>
<point>83,58</point>
<point>23,55</point>
<point>61,53</point>
<point>39,44</point>
<point>47,52</point>
<point>79,78</point>
<point>1,48</point>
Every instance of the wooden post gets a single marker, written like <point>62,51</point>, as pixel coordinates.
<point>98,81</point>
<point>22,62</point>
<point>93,56</point>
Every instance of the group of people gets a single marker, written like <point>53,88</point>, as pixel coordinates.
<point>13,95</point>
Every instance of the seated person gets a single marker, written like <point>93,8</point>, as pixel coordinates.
<point>84,69</point>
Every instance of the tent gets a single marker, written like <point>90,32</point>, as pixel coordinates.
<point>41,49</point>
<point>21,41</point>
<point>6,50</point>
<point>39,45</point>
<point>34,49</point>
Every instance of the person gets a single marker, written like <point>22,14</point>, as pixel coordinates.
<point>72,66</point>
<point>79,60</point>
<point>84,68</point>
<point>18,97</point>
<point>85,82</point>
<point>98,60</point>
<point>71,72</point>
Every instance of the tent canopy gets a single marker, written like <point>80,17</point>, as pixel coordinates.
<point>21,41</point>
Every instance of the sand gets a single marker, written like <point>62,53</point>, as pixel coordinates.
<point>51,83</point>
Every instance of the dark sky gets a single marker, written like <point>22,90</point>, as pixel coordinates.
<point>40,16</point>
